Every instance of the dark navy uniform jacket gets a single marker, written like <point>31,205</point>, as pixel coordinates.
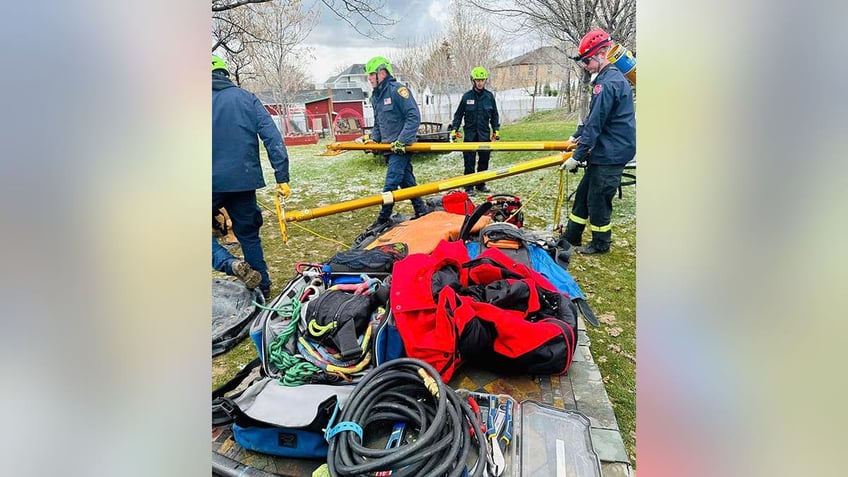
<point>480,110</point>
<point>238,118</point>
<point>396,116</point>
<point>608,133</point>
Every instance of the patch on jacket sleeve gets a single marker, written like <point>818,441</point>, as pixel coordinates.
<point>598,89</point>
<point>387,101</point>
<point>470,101</point>
<point>403,92</point>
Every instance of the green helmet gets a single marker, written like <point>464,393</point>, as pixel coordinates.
<point>479,73</point>
<point>374,65</point>
<point>218,63</point>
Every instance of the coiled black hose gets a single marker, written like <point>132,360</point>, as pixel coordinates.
<point>407,390</point>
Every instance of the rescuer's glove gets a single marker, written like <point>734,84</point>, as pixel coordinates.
<point>455,135</point>
<point>398,147</point>
<point>284,190</point>
<point>570,165</point>
<point>573,145</point>
<point>496,136</point>
<point>368,140</point>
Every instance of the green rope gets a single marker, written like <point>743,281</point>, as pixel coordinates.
<point>296,370</point>
<point>284,310</point>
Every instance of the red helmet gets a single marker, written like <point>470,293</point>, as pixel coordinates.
<point>592,42</point>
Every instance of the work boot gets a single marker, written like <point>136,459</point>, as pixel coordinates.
<point>592,248</point>
<point>469,190</point>
<point>573,234</point>
<point>569,238</point>
<point>245,273</point>
<point>483,188</point>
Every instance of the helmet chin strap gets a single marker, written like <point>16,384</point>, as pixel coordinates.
<point>601,57</point>
<point>598,59</point>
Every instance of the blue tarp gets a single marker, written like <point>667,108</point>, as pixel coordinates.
<point>546,266</point>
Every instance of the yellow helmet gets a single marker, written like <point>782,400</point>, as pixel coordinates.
<point>218,63</point>
<point>479,73</point>
<point>374,65</point>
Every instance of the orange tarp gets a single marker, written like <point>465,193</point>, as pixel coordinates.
<point>422,235</point>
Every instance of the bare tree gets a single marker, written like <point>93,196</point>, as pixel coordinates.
<point>472,44</point>
<point>234,32</point>
<point>224,5</point>
<point>281,27</point>
<point>444,63</point>
<point>565,22</point>
<point>618,18</point>
<point>362,15</point>
<point>437,70</point>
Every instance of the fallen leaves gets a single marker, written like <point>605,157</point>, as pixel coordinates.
<point>617,350</point>
<point>607,318</point>
<point>614,331</point>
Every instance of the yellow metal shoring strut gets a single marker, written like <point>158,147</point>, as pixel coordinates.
<point>284,228</point>
<point>456,146</point>
<point>280,202</point>
<point>428,188</point>
<point>559,200</point>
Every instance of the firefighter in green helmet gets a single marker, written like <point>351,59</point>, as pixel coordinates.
<point>396,121</point>
<point>480,112</point>
<point>239,121</point>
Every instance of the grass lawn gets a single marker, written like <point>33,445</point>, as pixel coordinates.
<point>608,281</point>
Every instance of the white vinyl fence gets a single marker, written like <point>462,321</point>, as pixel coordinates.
<point>512,106</point>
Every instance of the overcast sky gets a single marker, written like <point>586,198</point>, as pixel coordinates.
<point>335,43</point>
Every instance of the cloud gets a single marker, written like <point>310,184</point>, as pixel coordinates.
<point>328,60</point>
<point>438,11</point>
<point>334,42</point>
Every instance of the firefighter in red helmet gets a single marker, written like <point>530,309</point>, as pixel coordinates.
<point>606,141</point>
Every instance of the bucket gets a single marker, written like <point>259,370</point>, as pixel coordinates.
<point>624,61</point>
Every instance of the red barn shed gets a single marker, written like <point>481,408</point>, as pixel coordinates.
<point>345,107</point>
